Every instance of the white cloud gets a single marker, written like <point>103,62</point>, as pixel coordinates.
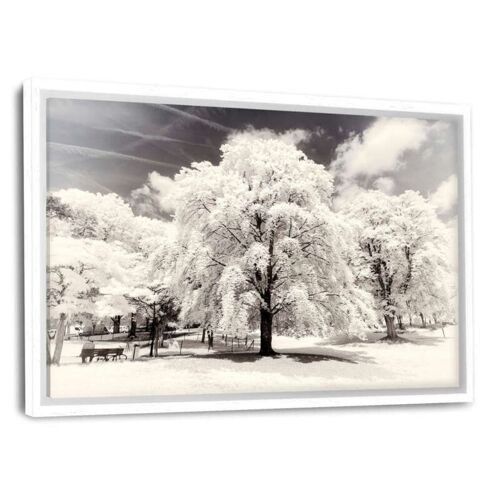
<point>346,194</point>
<point>384,184</point>
<point>445,196</point>
<point>293,136</point>
<point>157,197</point>
<point>382,146</point>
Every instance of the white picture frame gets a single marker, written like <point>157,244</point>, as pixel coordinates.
<point>37,91</point>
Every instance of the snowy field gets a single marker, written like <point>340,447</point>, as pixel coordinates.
<point>306,364</point>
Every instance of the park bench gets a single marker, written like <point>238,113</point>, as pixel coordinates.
<point>89,351</point>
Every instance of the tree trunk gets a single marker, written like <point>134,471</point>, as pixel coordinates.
<point>116,323</point>
<point>391,331</point>
<point>153,340</point>
<point>154,325</point>
<point>423,320</point>
<point>156,343</point>
<point>133,325</point>
<point>266,333</point>
<point>160,334</point>
<point>61,329</point>
<point>266,315</point>
<point>48,359</point>
<point>400,322</point>
<point>203,335</point>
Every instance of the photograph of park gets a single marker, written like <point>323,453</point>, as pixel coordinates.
<point>221,250</point>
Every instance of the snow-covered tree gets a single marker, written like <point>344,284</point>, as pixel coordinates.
<point>157,302</point>
<point>99,252</point>
<point>87,276</point>
<point>430,293</point>
<point>401,243</point>
<point>154,294</point>
<point>256,237</point>
<point>110,218</point>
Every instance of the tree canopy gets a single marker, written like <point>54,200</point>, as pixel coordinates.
<point>258,237</point>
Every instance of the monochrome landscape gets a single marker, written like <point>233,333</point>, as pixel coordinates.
<point>211,250</point>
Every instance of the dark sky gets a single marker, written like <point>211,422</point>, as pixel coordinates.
<point>107,146</point>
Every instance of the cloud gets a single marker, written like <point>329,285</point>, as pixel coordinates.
<point>381,147</point>
<point>156,198</point>
<point>293,136</point>
<point>384,184</point>
<point>347,194</point>
<point>444,198</point>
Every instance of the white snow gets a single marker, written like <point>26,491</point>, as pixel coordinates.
<point>428,360</point>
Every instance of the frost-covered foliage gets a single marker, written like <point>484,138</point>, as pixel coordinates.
<point>89,276</point>
<point>401,252</point>
<point>257,238</point>
<point>109,218</point>
<point>100,252</point>
<point>431,293</point>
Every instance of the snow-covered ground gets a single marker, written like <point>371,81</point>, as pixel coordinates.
<point>304,364</point>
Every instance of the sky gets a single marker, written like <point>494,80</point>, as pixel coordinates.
<point>135,149</point>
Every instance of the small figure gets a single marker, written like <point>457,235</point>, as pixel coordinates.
<point>210,339</point>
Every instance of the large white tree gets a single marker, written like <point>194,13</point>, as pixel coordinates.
<point>257,238</point>
<point>401,243</point>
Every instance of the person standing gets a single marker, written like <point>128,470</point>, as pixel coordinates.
<point>133,326</point>
<point>210,339</point>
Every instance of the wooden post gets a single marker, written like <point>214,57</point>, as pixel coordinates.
<point>59,339</point>
<point>136,351</point>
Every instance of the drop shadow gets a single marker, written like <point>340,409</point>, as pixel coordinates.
<point>19,244</point>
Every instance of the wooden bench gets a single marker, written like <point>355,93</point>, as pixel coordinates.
<point>104,353</point>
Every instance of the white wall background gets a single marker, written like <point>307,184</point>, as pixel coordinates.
<point>426,50</point>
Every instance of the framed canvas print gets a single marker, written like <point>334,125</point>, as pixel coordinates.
<point>200,250</point>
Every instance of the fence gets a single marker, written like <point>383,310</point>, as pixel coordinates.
<point>187,342</point>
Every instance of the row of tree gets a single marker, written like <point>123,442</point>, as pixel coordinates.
<point>257,241</point>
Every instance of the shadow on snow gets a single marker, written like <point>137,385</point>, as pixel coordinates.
<point>252,357</point>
